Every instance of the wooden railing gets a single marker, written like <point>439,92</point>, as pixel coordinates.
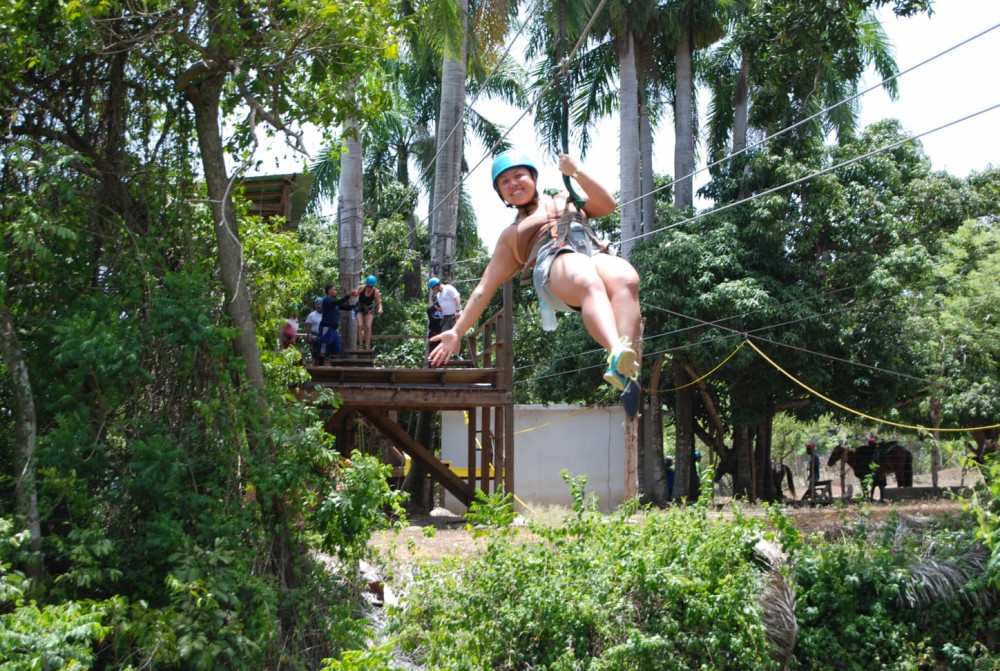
<point>488,345</point>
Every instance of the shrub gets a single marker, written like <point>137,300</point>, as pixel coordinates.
<point>653,590</point>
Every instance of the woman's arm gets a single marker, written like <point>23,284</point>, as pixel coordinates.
<point>600,202</point>
<point>501,268</point>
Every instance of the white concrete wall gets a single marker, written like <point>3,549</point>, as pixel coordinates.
<point>548,439</point>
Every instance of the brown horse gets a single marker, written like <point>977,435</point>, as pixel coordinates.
<point>877,460</point>
<point>780,472</point>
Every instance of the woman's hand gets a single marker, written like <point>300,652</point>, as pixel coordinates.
<point>448,344</point>
<point>568,165</point>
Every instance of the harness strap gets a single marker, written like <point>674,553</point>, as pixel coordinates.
<point>558,237</point>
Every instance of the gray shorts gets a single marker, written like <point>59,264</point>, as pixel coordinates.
<point>576,242</point>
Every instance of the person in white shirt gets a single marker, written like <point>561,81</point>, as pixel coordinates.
<point>449,299</point>
<point>312,326</point>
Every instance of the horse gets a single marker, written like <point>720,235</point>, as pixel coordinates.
<point>877,460</point>
<point>779,472</point>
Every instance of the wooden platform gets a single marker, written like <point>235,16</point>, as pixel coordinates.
<point>410,388</point>
<point>371,393</point>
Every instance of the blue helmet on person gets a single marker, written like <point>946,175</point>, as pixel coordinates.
<point>433,282</point>
<point>370,281</point>
<point>697,454</point>
<point>511,159</point>
<point>318,299</point>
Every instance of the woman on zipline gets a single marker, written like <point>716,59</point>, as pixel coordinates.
<point>573,271</point>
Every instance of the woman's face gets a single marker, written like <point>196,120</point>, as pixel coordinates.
<point>517,185</point>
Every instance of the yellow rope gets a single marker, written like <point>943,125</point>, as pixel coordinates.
<point>569,416</point>
<point>858,412</point>
<point>667,391</point>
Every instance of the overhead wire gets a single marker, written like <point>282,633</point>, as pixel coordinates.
<point>718,323</point>
<point>731,156</point>
<point>551,83</point>
<point>461,122</point>
<point>793,182</point>
<point>809,118</point>
<point>810,176</point>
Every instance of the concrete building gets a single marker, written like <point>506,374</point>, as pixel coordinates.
<point>547,440</point>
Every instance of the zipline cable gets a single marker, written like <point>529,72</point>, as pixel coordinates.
<point>809,118</point>
<point>806,178</point>
<point>858,412</point>
<point>789,128</point>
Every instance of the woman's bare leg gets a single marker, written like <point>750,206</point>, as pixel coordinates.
<point>368,329</point>
<point>574,280</point>
<point>622,283</point>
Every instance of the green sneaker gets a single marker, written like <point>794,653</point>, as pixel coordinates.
<point>622,360</point>
<point>615,379</point>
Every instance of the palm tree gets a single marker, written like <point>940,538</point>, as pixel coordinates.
<point>815,58</point>
<point>618,47</point>
<point>687,25</point>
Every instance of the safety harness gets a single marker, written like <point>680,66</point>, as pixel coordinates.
<point>563,236</point>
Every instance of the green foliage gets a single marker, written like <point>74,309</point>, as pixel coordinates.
<point>851,604</point>
<point>986,510</point>
<point>356,503</point>
<point>663,591</point>
<point>34,636</point>
<point>495,511</point>
<point>372,659</point>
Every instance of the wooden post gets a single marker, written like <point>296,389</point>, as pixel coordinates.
<point>506,365</point>
<point>631,427</point>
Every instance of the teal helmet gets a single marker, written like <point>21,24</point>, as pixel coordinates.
<point>318,299</point>
<point>433,282</point>
<point>511,159</point>
<point>370,281</point>
<point>697,454</point>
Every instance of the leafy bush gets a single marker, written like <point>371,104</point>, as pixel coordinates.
<point>34,636</point>
<point>876,600</point>
<point>656,590</point>
<point>356,504</point>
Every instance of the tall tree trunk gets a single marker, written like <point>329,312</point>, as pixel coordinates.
<point>350,224</point>
<point>205,96</point>
<point>654,438</point>
<point>631,206</point>
<point>413,285</point>
<point>743,481</point>
<point>766,490</point>
<point>25,491</point>
<point>741,106</point>
<point>685,481</point>
<point>684,127</point>
<point>646,152</point>
<point>450,139</point>
<point>415,483</point>
<point>937,413</point>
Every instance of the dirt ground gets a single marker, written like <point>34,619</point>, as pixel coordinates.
<point>442,533</point>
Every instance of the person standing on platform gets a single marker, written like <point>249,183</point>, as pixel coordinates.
<point>434,320</point>
<point>369,300</point>
<point>447,296</point>
<point>313,320</point>
<point>329,326</point>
